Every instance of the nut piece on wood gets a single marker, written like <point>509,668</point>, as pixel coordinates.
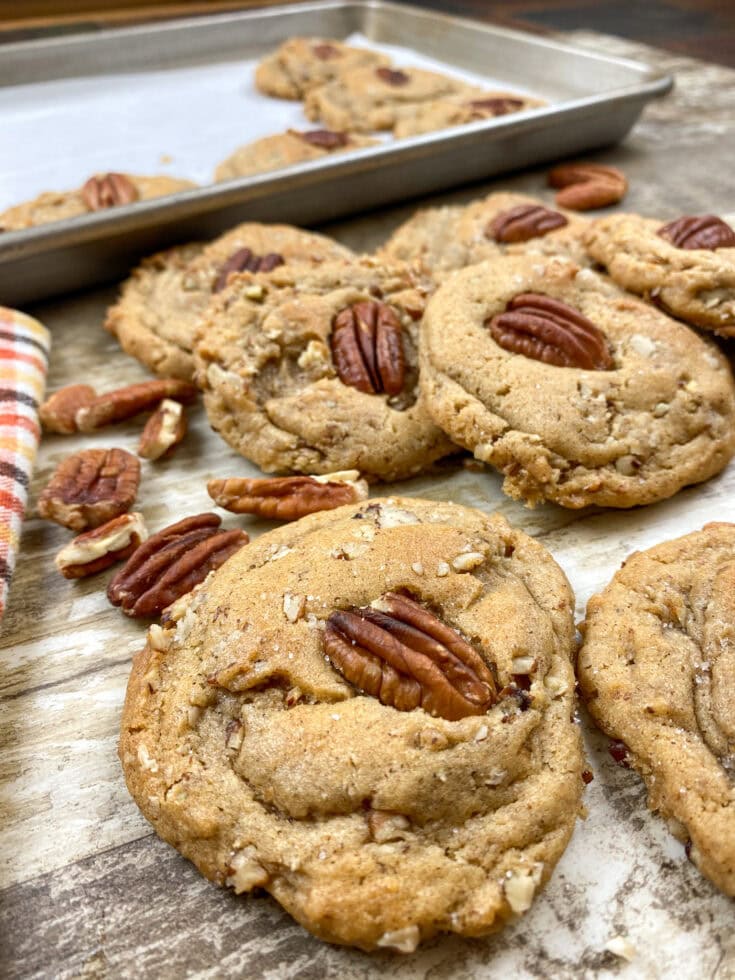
<point>90,487</point>
<point>289,497</point>
<point>163,431</point>
<point>403,655</point>
<point>95,550</point>
<point>108,190</point>
<point>125,403</point>
<point>171,563</point>
<point>705,231</point>
<point>58,413</point>
<point>587,185</point>
<point>367,347</point>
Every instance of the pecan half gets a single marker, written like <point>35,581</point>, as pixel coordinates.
<point>90,487</point>
<point>325,139</point>
<point>496,105</point>
<point>171,563</point>
<point>125,403</point>
<point>95,550</point>
<point>548,330</point>
<point>691,231</point>
<point>392,76</point>
<point>403,655</point>
<point>287,498</point>
<point>325,52</point>
<point>524,222</point>
<point>58,413</point>
<point>245,260</point>
<point>108,190</point>
<point>587,185</point>
<point>367,347</point>
<point>163,431</point>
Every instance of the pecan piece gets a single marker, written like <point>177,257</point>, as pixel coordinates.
<point>90,487</point>
<point>245,260</point>
<point>325,51</point>
<point>367,347</point>
<point>95,550</point>
<point>496,105</point>
<point>403,655</point>
<point>287,498</point>
<point>108,190</point>
<point>171,563</point>
<point>691,231</point>
<point>163,431</point>
<point>392,76</point>
<point>325,139</point>
<point>58,413</point>
<point>524,222</point>
<point>548,330</point>
<point>587,185</point>
<point>124,403</point>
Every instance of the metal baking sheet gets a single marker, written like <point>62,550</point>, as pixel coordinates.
<point>124,99</point>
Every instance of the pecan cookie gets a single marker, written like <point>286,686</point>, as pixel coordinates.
<point>657,670</point>
<point>100,192</point>
<point>286,149</point>
<point>576,391</point>
<point>316,370</point>
<point>686,266</point>
<point>457,110</point>
<point>369,714</point>
<point>301,63</point>
<point>162,302</point>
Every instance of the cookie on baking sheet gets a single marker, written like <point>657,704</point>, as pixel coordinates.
<point>100,192</point>
<point>316,370</point>
<point>576,391</point>
<point>370,714</point>
<point>457,110</point>
<point>162,302</point>
<point>686,266</point>
<point>301,63</point>
<point>657,670</point>
<point>452,237</point>
<point>286,149</point>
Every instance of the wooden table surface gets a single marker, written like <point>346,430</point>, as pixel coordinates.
<point>86,888</point>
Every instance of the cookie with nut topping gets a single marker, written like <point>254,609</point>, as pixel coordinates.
<point>316,370</point>
<point>302,63</point>
<point>458,110</point>
<point>657,670</point>
<point>287,149</point>
<point>370,714</point>
<point>576,391</point>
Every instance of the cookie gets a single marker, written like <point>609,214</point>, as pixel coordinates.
<point>376,98</point>
<point>301,63</point>
<point>657,670</point>
<point>162,302</point>
<point>286,149</point>
<point>687,266</point>
<point>457,110</point>
<point>99,193</point>
<point>576,391</point>
<point>275,754</point>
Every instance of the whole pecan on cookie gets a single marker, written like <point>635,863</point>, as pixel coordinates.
<point>108,190</point>
<point>245,260</point>
<point>587,185</point>
<point>545,329</point>
<point>402,654</point>
<point>325,139</point>
<point>367,347</point>
<point>524,222</point>
<point>163,431</point>
<point>286,498</point>
<point>59,412</point>
<point>171,563</point>
<point>705,231</point>
<point>125,403</point>
<point>95,550</point>
<point>90,487</point>
<point>393,76</point>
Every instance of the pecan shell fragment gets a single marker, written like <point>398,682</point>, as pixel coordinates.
<point>367,347</point>
<point>96,550</point>
<point>90,487</point>
<point>407,658</point>
<point>524,222</point>
<point>545,329</point>
<point>289,497</point>
<point>245,260</point>
<point>125,403</point>
<point>691,231</point>
<point>108,190</point>
<point>587,185</point>
<point>58,413</point>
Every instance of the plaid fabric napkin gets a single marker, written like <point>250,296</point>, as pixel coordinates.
<point>24,347</point>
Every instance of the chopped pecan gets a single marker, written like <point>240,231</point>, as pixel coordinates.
<point>548,330</point>
<point>58,413</point>
<point>124,403</point>
<point>163,431</point>
<point>524,222</point>
<point>94,550</point>
<point>403,655</point>
<point>367,347</point>
<point>325,139</point>
<point>325,52</point>
<point>245,260</point>
<point>171,563</point>
<point>108,190</point>
<point>587,185</point>
<point>691,231</point>
<point>496,105</point>
<point>392,76</point>
<point>90,487</point>
<point>287,498</point>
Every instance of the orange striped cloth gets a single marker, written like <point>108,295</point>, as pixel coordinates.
<point>24,347</point>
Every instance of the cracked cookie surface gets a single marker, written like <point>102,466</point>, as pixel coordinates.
<point>301,63</point>
<point>657,670</point>
<point>372,826</point>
